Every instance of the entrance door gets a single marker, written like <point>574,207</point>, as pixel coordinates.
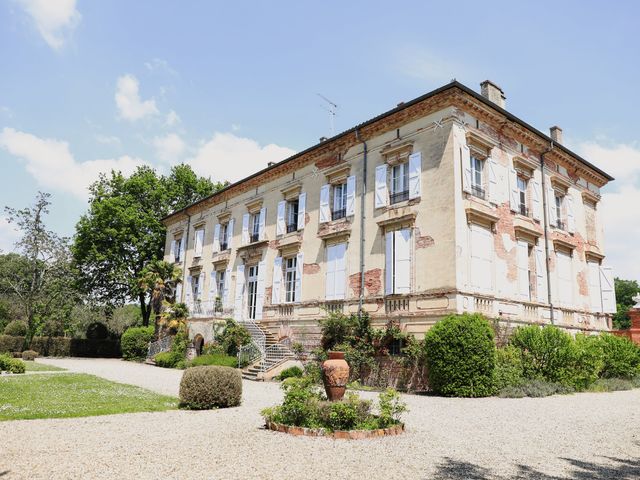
<point>252,290</point>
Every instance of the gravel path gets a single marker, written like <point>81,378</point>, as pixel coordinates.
<point>577,436</point>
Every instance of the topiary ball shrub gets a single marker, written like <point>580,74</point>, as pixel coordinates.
<point>16,328</point>
<point>29,355</point>
<point>209,387</point>
<point>621,357</point>
<point>460,355</point>
<point>134,342</point>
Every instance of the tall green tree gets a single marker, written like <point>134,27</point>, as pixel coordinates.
<point>39,278</point>
<point>625,291</point>
<point>122,232</point>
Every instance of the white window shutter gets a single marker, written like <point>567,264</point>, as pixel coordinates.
<point>481,258</point>
<point>216,238</point>
<point>330,276</point>
<point>280,226</point>
<point>325,211</point>
<point>189,292</point>
<point>302,206</point>
<point>225,293</point>
<point>595,295</point>
<point>607,290</point>
<point>245,229</point>
<point>199,242</point>
<point>493,180</point>
<point>514,197</point>
<point>541,274</point>
<point>551,206</point>
<point>172,251</point>
<point>238,312</point>
<point>466,169</point>
<point>522,257</point>
<point>179,293</point>
<point>415,175</point>
<point>213,287</point>
<point>536,200</point>
<point>381,192</point>
<point>201,279</point>
<point>402,261</point>
<point>388,264</point>
<point>340,282</point>
<point>262,224</point>
<point>276,286</point>
<point>260,287</point>
<point>571,221</point>
<point>232,223</point>
<point>299,269</point>
<point>183,253</point>
<point>351,196</point>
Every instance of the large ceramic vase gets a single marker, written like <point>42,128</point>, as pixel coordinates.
<point>335,375</point>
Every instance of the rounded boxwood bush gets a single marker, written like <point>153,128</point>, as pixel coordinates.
<point>460,355</point>
<point>134,342</point>
<point>212,386</point>
<point>621,357</point>
<point>29,355</point>
<point>16,328</point>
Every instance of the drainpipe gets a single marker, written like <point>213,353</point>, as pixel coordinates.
<point>546,231</point>
<point>184,261</point>
<point>362,218</point>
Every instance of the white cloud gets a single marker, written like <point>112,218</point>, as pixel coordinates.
<point>53,166</point>
<point>172,119</point>
<point>424,64</point>
<point>130,105</point>
<point>107,139</point>
<point>619,209</point>
<point>229,157</point>
<point>169,148</point>
<point>54,19</point>
<point>8,235</point>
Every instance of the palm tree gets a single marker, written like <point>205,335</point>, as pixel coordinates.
<point>159,279</point>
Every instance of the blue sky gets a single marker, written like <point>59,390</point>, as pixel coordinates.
<point>228,86</point>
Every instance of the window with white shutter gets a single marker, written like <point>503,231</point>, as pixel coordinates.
<point>276,284</point>
<point>325,209</point>
<point>245,229</point>
<point>216,238</point>
<point>336,271</point>
<point>564,275</point>
<point>351,196</point>
<point>229,236</point>
<point>482,253</point>
<point>493,180</point>
<point>399,183</point>
<point>260,290</point>
<point>339,204</point>
<point>595,294</point>
<point>262,230</point>
<point>189,290</point>
<point>514,194</point>
<point>198,242</point>
<point>302,205</point>
<point>290,272</point>
<point>280,225</point>
<point>381,193</point>
<point>398,262</point>
<point>536,199</point>
<point>292,207</point>
<point>240,286</point>
<point>225,288</point>
<point>524,274</point>
<point>571,221</point>
<point>608,290</point>
<point>172,251</point>
<point>541,274</point>
<point>415,175</point>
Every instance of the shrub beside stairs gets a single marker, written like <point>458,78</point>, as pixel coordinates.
<point>275,354</point>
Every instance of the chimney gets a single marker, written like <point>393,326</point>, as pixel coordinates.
<point>493,93</point>
<point>270,164</point>
<point>556,134</point>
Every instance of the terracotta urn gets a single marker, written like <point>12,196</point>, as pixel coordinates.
<point>335,375</point>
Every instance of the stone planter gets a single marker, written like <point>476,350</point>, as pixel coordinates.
<point>335,375</point>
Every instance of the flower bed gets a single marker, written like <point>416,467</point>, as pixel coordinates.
<point>337,434</point>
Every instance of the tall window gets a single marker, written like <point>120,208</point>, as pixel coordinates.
<point>339,209</point>
<point>522,196</point>
<point>198,242</point>
<point>177,250</point>
<point>252,291</point>
<point>336,271</point>
<point>224,243</point>
<point>559,199</point>
<point>195,287</point>
<point>477,180</point>
<point>398,262</point>
<point>254,227</point>
<point>290,279</point>
<point>292,215</point>
<point>399,183</point>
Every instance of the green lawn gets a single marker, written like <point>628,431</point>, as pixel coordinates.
<point>73,395</point>
<point>41,367</point>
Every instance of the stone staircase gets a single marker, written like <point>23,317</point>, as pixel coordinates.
<point>275,353</point>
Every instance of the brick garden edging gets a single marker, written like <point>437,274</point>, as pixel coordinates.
<point>338,434</point>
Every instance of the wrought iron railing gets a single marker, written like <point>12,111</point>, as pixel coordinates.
<point>208,308</point>
<point>338,214</point>
<point>254,237</point>
<point>560,224</point>
<point>292,227</point>
<point>478,191</point>
<point>523,210</point>
<point>273,355</point>
<point>223,246</point>
<point>399,196</point>
<point>248,354</point>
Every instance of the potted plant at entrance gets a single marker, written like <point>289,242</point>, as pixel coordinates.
<point>335,375</point>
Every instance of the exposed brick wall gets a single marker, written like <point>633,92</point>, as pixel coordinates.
<point>423,241</point>
<point>372,282</point>
<point>310,268</point>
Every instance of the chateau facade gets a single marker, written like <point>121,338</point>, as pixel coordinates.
<point>445,204</point>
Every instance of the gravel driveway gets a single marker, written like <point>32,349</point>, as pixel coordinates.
<point>578,436</point>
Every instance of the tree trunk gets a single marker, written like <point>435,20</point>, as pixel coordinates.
<point>144,310</point>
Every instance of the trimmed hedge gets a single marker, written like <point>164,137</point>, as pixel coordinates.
<point>215,359</point>
<point>209,387</point>
<point>135,342</point>
<point>16,328</point>
<point>11,365</point>
<point>29,355</point>
<point>63,347</point>
<point>460,355</point>
<point>621,357</point>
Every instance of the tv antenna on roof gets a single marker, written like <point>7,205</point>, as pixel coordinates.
<point>332,108</point>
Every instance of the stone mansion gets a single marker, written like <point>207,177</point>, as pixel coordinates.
<point>445,204</point>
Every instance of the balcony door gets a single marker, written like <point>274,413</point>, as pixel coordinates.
<point>252,291</point>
